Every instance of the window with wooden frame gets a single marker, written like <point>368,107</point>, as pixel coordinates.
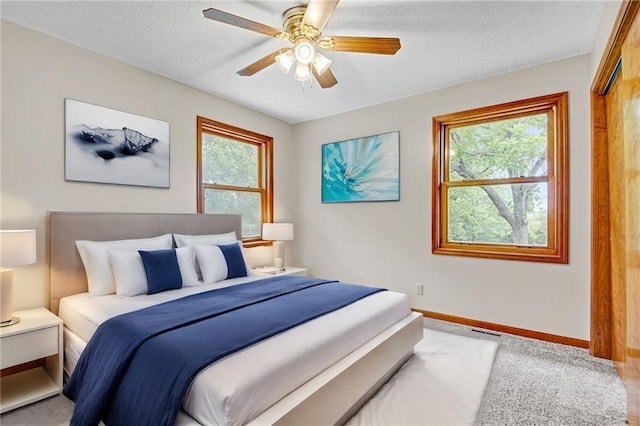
<point>500,181</point>
<point>235,175</point>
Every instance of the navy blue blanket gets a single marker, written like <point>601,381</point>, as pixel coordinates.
<point>137,367</point>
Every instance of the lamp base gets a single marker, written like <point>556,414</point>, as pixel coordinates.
<point>6,295</point>
<point>278,254</point>
<point>13,320</point>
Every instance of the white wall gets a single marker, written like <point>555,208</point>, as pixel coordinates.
<point>38,73</point>
<point>389,244</point>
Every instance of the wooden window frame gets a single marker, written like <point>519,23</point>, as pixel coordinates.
<point>265,169</point>
<point>556,251</point>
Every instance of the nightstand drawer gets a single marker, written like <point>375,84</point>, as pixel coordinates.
<point>24,347</point>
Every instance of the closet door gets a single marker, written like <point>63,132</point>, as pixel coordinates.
<point>617,227</point>
<point>615,209</point>
<point>631,112</point>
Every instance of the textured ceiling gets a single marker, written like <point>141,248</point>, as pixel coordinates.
<point>443,43</point>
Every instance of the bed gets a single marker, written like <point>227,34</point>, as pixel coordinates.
<point>332,364</point>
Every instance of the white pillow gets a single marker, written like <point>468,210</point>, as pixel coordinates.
<point>96,263</point>
<point>212,263</point>
<point>212,239</point>
<point>131,278</point>
<point>128,271</point>
<point>183,240</point>
<point>187,263</point>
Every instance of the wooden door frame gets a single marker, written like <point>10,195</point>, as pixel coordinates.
<point>601,339</point>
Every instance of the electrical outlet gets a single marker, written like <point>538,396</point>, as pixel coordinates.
<point>419,289</point>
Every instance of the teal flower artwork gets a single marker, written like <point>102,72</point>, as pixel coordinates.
<point>362,169</point>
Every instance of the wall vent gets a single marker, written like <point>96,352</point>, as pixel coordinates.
<point>486,332</point>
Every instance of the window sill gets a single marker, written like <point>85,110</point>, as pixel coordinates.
<point>256,243</point>
<point>506,253</point>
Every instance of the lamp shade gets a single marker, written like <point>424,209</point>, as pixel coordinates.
<point>303,73</point>
<point>286,60</point>
<point>17,247</point>
<point>321,63</point>
<point>277,231</point>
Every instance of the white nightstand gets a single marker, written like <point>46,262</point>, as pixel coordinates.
<point>289,270</point>
<point>37,335</point>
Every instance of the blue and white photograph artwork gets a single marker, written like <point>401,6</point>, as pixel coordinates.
<point>109,146</point>
<point>363,169</point>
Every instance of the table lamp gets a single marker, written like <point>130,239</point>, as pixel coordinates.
<point>17,248</point>
<point>278,233</point>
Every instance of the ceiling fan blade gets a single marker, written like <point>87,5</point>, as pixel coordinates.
<point>326,79</point>
<point>318,13</point>
<point>238,21</point>
<point>380,45</point>
<point>261,63</point>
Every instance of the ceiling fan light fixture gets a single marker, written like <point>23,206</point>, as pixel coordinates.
<point>303,73</point>
<point>303,26</point>
<point>286,60</point>
<point>304,52</point>
<point>321,63</point>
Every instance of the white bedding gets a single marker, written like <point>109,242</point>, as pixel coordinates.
<point>239,387</point>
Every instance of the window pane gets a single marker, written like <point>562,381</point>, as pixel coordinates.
<point>475,218</point>
<point>229,162</point>
<point>515,147</point>
<point>236,202</point>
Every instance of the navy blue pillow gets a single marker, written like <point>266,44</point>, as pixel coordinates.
<point>162,269</point>
<point>235,261</point>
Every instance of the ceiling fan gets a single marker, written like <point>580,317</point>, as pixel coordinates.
<point>302,26</point>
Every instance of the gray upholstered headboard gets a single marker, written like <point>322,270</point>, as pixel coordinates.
<point>66,273</point>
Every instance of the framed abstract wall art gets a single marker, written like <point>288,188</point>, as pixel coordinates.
<point>109,146</point>
<point>362,169</point>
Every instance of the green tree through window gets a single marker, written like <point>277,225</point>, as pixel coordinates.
<point>500,179</point>
<point>234,175</point>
